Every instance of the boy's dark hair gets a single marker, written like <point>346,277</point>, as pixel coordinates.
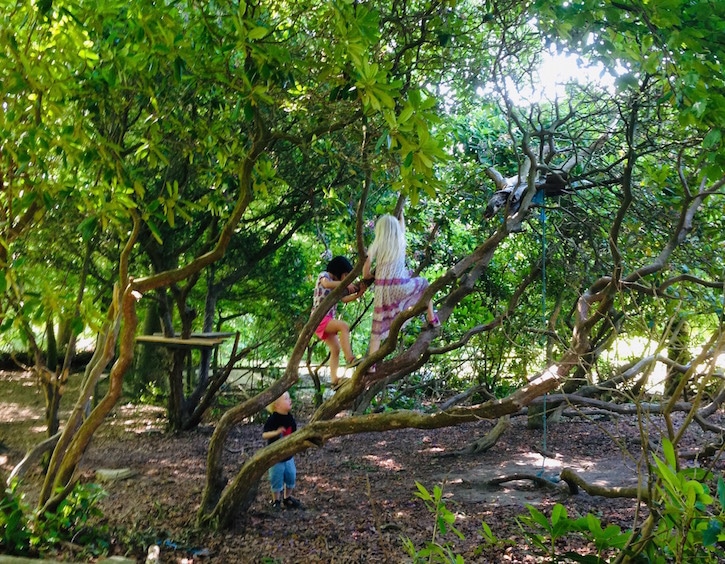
<point>338,266</point>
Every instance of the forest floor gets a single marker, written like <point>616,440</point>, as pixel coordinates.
<point>358,492</point>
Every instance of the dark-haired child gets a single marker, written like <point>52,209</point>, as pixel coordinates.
<point>335,333</point>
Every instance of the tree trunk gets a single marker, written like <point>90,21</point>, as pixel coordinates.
<point>176,403</point>
<point>198,407</point>
<point>77,433</point>
<point>52,347</point>
<point>484,443</point>
<point>153,363</point>
<point>362,402</point>
<point>52,405</point>
<point>678,351</point>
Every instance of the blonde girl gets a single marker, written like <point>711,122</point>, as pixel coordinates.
<point>395,289</point>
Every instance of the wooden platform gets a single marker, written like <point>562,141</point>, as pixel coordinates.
<point>199,341</point>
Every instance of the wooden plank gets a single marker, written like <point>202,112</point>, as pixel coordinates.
<point>222,334</point>
<point>210,334</point>
<point>196,342</point>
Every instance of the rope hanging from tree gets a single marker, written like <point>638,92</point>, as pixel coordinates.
<point>539,199</point>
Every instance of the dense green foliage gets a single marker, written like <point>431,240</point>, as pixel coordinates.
<point>157,108</point>
<point>690,530</point>
<point>75,520</point>
<point>191,164</point>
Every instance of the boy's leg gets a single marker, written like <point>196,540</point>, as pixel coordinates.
<point>276,481</point>
<point>290,474</point>
<point>290,480</point>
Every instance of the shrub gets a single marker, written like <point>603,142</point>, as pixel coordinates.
<point>25,532</point>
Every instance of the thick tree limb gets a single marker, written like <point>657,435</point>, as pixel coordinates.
<point>574,481</point>
<point>237,494</point>
<point>484,443</point>
<point>621,409</point>
<point>537,480</point>
<point>32,456</point>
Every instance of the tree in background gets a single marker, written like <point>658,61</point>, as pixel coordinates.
<point>210,143</point>
<point>608,147</point>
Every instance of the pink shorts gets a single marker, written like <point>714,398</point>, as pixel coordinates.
<point>320,331</point>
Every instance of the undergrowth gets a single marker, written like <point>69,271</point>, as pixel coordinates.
<point>26,532</point>
<point>685,524</point>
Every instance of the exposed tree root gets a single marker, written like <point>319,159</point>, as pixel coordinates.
<point>538,481</point>
<point>33,456</point>
<point>574,481</point>
<point>486,442</point>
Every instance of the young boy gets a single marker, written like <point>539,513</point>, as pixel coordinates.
<point>329,328</point>
<point>283,474</point>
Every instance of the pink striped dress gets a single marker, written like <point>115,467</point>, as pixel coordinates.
<point>395,291</point>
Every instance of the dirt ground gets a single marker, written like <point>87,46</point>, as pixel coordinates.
<point>357,491</point>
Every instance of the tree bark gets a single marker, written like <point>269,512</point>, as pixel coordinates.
<point>484,443</point>
<point>32,456</point>
<point>574,481</point>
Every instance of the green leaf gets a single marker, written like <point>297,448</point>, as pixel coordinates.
<point>558,513</point>
<point>88,228</point>
<point>669,451</point>
<point>77,326</point>
<point>258,32</point>
<point>538,517</point>
<point>711,534</point>
<point>179,67</point>
<point>422,492</point>
<point>155,231</point>
<point>487,533</point>
<point>712,139</point>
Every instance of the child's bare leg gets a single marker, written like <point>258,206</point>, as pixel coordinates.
<point>339,327</point>
<point>334,345</point>
<point>431,312</point>
<point>373,348</point>
<point>374,344</point>
<point>345,342</point>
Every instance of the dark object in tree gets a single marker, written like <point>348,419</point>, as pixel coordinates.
<point>554,184</point>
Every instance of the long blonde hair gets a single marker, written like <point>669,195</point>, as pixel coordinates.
<point>389,243</point>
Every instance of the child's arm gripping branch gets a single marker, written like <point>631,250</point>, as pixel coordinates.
<point>332,284</point>
<point>367,273</point>
<point>354,291</point>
